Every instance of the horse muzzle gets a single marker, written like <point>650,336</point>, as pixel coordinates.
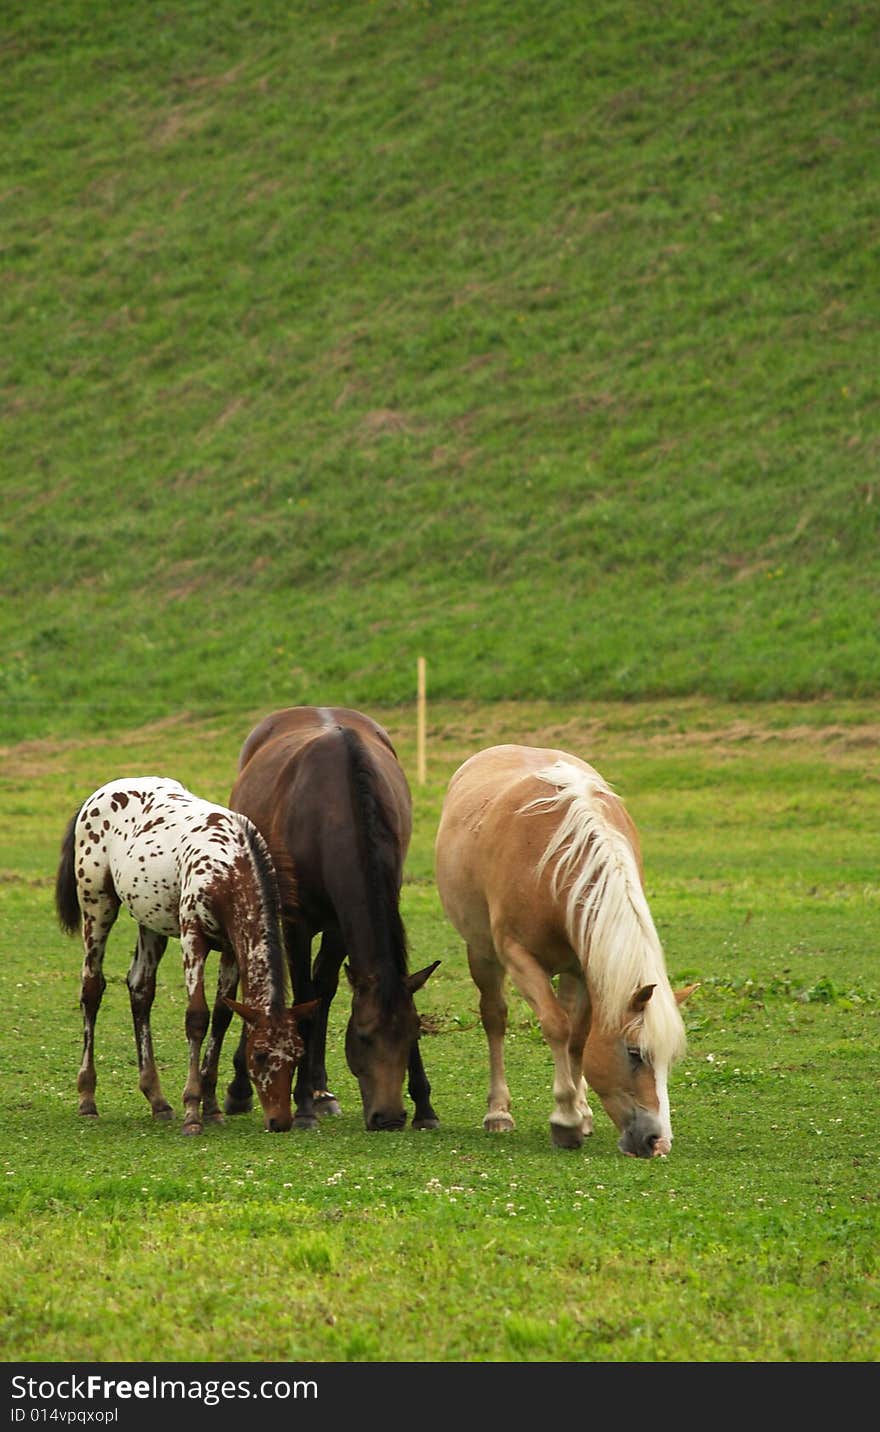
<point>380,1122</point>
<point>643,1138</point>
<point>278,1123</point>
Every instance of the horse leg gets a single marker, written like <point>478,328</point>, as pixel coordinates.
<point>420,1092</point>
<point>533,982</point>
<point>325,982</point>
<point>195,951</point>
<point>298,945</point>
<point>141,983</point>
<point>575,1000</point>
<point>488,975</point>
<point>240,1092</point>
<point>98,915</point>
<point>221,1017</point>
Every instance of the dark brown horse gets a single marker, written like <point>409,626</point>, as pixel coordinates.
<point>324,786</point>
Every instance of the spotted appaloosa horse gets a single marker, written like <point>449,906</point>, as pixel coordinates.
<point>539,869</point>
<point>186,868</point>
<point>325,788</point>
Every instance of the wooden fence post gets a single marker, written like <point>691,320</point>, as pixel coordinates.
<point>420,723</point>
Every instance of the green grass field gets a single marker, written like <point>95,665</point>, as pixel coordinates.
<point>755,1241</point>
<point>541,342</point>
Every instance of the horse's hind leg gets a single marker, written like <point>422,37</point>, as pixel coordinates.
<point>141,982</point>
<point>488,975</point>
<point>98,914</point>
<point>328,962</point>
<point>575,1000</point>
<point>310,1095</point>
<point>227,984</point>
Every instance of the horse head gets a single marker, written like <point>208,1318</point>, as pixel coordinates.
<point>632,1087</point>
<point>274,1047</point>
<point>382,1031</point>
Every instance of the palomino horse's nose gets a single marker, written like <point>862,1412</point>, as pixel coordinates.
<point>379,1121</point>
<point>642,1138</point>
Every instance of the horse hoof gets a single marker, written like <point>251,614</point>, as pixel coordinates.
<point>89,1113</point>
<point>163,1113</point>
<point>566,1138</point>
<point>306,1122</point>
<point>215,1117</point>
<point>498,1123</point>
<point>429,1123</point>
<point>326,1104</point>
<point>237,1106</point>
<point>194,1128</point>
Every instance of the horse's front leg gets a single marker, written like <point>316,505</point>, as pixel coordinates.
<point>424,1116</point>
<point>227,984</point>
<point>195,952</point>
<point>488,975</point>
<point>533,982</point>
<point>575,1000</point>
<point>141,983</point>
<point>98,915</point>
<point>240,1091</point>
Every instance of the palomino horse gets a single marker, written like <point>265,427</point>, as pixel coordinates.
<point>181,867</point>
<point>539,870</point>
<point>325,788</point>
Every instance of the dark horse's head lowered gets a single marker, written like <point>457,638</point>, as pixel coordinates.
<point>325,787</point>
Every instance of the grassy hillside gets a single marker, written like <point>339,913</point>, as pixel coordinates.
<point>539,340</point>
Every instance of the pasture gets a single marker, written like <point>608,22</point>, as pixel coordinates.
<point>540,340</point>
<point>754,1241</point>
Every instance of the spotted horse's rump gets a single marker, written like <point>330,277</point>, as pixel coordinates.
<point>186,868</point>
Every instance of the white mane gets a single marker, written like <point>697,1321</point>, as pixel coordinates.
<point>606,913</point>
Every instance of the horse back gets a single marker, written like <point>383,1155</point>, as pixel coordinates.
<point>300,724</point>
<point>297,783</point>
<point>489,848</point>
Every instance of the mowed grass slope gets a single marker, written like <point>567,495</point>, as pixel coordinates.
<point>539,340</point>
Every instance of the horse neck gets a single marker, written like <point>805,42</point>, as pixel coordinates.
<point>250,944</point>
<point>251,929</point>
<point>596,879</point>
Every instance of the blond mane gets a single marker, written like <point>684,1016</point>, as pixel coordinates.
<point>606,913</point>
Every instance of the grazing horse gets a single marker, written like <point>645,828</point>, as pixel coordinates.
<point>183,867</point>
<point>539,869</point>
<point>328,793</point>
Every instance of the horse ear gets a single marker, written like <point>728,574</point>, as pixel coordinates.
<point>414,982</point>
<point>304,1011</point>
<point>682,994</point>
<point>248,1015</point>
<point>641,997</point>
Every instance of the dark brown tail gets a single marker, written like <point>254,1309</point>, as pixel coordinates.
<point>66,897</point>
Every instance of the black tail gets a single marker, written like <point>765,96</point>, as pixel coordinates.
<point>66,897</point>
<point>381,851</point>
